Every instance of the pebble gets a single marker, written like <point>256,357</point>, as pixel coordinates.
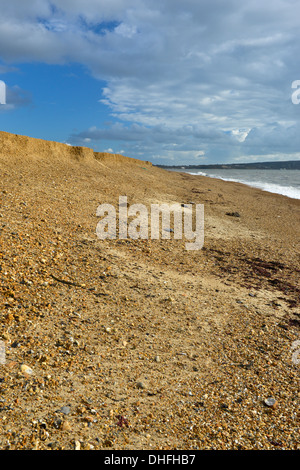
<point>26,369</point>
<point>270,402</point>
<point>233,214</point>
<point>141,385</point>
<point>66,426</point>
<point>65,410</point>
<point>77,445</point>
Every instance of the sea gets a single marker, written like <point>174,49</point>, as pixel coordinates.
<point>281,181</point>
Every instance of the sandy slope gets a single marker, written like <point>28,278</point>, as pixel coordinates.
<point>141,344</point>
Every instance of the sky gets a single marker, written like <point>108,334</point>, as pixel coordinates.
<point>175,82</point>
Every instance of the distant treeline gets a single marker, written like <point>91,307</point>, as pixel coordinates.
<point>290,165</point>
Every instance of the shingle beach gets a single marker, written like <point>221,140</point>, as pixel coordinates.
<point>141,344</point>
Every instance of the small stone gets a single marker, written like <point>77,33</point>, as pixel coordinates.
<point>65,410</point>
<point>89,419</point>
<point>66,426</point>
<point>271,402</point>
<point>89,447</point>
<point>233,214</point>
<point>157,359</point>
<point>36,445</point>
<point>57,423</point>
<point>53,445</point>
<point>5,336</point>
<point>26,370</point>
<point>77,445</point>
<point>141,385</point>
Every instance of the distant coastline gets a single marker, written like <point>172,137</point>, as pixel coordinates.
<point>288,165</point>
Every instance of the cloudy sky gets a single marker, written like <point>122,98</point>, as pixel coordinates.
<point>171,81</point>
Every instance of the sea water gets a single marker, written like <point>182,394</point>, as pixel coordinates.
<point>285,182</point>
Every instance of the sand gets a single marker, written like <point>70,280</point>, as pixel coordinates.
<point>141,344</point>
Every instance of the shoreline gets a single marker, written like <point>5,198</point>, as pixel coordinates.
<point>276,189</point>
<point>139,344</point>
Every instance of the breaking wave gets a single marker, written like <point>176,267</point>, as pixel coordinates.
<point>263,181</point>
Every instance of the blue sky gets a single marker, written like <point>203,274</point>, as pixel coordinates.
<point>168,81</point>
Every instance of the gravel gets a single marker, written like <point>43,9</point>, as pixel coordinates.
<point>139,344</point>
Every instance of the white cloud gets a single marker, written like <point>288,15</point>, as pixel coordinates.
<point>125,30</point>
<point>272,157</point>
<point>240,134</point>
<point>182,77</point>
